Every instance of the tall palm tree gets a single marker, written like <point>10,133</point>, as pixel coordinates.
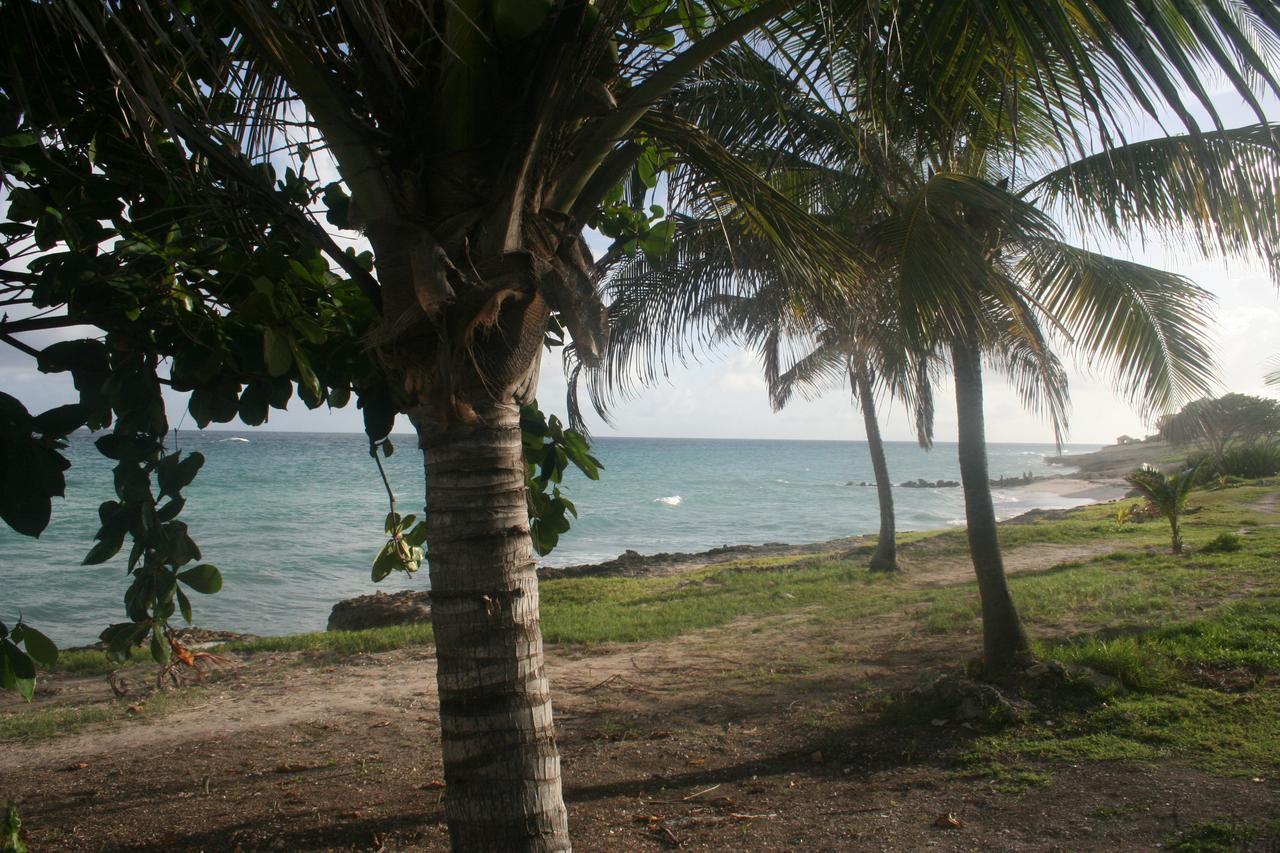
<point>473,144</point>
<point>980,271</point>
<point>863,351</point>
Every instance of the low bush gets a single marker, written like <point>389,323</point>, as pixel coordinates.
<point>1249,461</point>
<point>1222,543</point>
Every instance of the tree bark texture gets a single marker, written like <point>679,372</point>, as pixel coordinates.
<point>501,765</point>
<point>1003,639</point>
<point>885,558</point>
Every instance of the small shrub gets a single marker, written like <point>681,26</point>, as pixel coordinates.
<point>1167,493</point>
<point>1222,543</point>
<point>1133,663</point>
<point>1213,836</point>
<point>1245,461</point>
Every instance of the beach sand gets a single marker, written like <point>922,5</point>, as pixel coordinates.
<point>1094,490</point>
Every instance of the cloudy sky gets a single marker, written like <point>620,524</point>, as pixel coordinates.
<point>724,395</point>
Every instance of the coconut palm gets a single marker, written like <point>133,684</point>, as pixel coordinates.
<point>473,143</point>
<point>1167,493</point>
<point>979,270</point>
<point>864,351</point>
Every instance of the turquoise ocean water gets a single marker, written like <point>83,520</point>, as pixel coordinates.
<point>293,520</point>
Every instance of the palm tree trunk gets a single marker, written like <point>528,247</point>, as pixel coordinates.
<point>1003,639</point>
<point>501,766</point>
<point>885,558</point>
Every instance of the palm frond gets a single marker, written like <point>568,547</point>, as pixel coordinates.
<point>1220,190</point>
<point>1145,327</point>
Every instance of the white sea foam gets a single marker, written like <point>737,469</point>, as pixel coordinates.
<point>671,500</point>
<point>225,440</point>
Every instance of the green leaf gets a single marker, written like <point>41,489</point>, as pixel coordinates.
<point>385,562</point>
<point>514,20</point>
<point>170,510</point>
<point>18,140</point>
<point>25,205</point>
<point>417,535</point>
<point>277,351</point>
<point>19,672</point>
<point>61,421</point>
<point>103,551</point>
<point>392,522</point>
<point>40,647</point>
<point>203,578</point>
<point>184,605</point>
<point>388,448</point>
<point>122,637</point>
<point>159,648</point>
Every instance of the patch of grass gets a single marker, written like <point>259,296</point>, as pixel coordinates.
<point>30,725</point>
<point>1166,713</point>
<point>27,725</point>
<point>339,643</point>
<point>87,662</point>
<point>1135,664</point>
<point>1213,836</point>
<point>597,610</point>
<point>1223,543</point>
<point>1113,812</point>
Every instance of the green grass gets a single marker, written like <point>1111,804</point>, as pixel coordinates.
<point>597,610</point>
<point>1192,640</point>
<point>1175,705</point>
<point>1212,836</point>
<point>46,723</point>
<point>338,643</point>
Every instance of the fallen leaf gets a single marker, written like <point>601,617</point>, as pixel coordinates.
<point>720,802</point>
<point>817,757</point>
<point>434,784</point>
<point>658,735</point>
<point>697,762</point>
<point>948,821</point>
<point>381,725</point>
<point>134,709</point>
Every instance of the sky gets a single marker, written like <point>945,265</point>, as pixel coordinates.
<point>723,395</point>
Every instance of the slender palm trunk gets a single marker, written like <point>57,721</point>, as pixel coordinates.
<point>885,558</point>
<point>501,766</point>
<point>1003,640</point>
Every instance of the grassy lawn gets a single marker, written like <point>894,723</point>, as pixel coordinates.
<point>1193,641</point>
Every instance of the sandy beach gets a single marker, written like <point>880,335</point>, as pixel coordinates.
<point>1099,491</point>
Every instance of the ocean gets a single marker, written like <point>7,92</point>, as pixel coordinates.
<point>294,520</point>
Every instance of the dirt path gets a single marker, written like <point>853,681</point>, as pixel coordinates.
<point>759,735</point>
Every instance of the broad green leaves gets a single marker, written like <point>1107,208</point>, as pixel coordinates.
<point>17,667</point>
<point>549,449</point>
<point>31,464</point>
<point>203,578</point>
<point>403,551</point>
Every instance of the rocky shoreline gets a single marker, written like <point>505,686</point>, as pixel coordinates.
<point>1097,479</point>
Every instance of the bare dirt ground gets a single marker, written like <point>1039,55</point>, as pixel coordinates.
<point>761,735</point>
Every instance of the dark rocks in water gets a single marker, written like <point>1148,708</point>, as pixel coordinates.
<point>1025,480</point>
<point>380,610</point>
<point>921,483</point>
